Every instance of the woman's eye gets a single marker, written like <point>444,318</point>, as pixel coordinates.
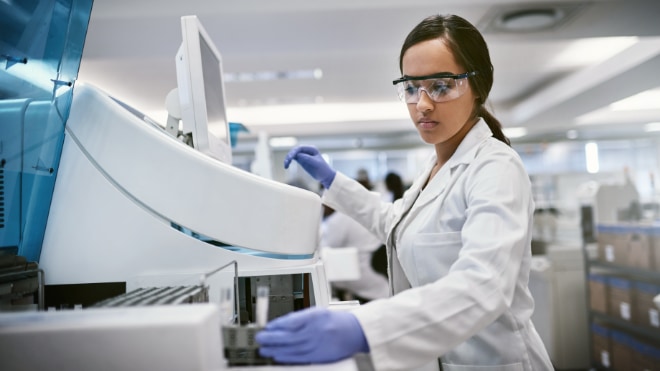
<point>441,87</point>
<point>410,89</point>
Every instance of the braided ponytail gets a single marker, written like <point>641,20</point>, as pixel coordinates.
<point>493,123</point>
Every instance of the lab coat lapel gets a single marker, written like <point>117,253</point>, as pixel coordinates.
<point>436,187</point>
<point>408,200</point>
<point>445,179</point>
<point>415,197</point>
<point>439,186</point>
<point>411,199</point>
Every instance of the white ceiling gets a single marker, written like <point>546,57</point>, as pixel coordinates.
<point>130,48</point>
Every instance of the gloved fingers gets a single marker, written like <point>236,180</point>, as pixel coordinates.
<point>296,359</point>
<point>304,353</point>
<point>309,150</point>
<point>287,358</point>
<point>313,335</point>
<point>305,347</point>
<point>307,355</point>
<point>291,329</point>
<point>277,338</point>
<point>308,161</point>
<point>296,320</point>
<point>293,154</point>
<point>289,156</point>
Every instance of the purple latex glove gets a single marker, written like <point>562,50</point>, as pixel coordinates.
<point>313,335</point>
<point>311,160</point>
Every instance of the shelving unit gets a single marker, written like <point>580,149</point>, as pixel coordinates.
<point>624,324</point>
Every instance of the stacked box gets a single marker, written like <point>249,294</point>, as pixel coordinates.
<point>601,349</point>
<point>640,248</point>
<point>655,247</point>
<point>621,350</point>
<point>646,312</point>
<point>620,298</point>
<point>645,357</point>
<point>613,243</point>
<point>598,297</point>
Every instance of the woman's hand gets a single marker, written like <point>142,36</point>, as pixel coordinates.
<point>313,335</point>
<point>311,160</point>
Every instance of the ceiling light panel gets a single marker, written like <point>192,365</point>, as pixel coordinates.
<point>310,74</point>
<point>583,52</point>
<point>646,100</point>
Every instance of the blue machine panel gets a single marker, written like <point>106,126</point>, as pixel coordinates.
<point>41,43</point>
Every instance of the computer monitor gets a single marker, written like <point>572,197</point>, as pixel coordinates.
<point>201,91</point>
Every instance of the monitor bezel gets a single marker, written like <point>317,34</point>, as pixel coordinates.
<point>191,90</point>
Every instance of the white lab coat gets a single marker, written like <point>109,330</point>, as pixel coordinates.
<point>339,230</point>
<point>464,246</point>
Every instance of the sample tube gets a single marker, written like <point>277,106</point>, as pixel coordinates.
<point>226,306</point>
<point>262,305</point>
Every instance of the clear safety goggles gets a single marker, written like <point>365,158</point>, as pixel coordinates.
<point>440,87</point>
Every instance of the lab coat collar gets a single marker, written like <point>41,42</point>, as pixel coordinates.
<point>464,154</point>
<point>468,147</point>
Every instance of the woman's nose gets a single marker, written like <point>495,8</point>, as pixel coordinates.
<point>425,103</point>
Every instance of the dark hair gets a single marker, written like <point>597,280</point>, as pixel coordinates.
<point>363,178</point>
<point>470,51</point>
<point>394,184</point>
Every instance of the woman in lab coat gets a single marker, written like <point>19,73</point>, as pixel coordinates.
<point>458,242</point>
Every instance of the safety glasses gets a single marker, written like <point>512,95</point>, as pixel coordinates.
<point>440,87</point>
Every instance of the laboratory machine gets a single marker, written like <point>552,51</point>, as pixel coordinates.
<point>134,206</point>
<point>139,209</point>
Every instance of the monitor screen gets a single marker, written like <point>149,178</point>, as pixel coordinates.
<point>201,91</point>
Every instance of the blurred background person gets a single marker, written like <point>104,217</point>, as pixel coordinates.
<point>364,179</point>
<point>339,230</point>
<point>394,185</point>
<point>394,189</point>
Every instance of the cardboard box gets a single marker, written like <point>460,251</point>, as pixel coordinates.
<point>646,312</point>
<point>645,357</point>
<point>600,340</point>
<point>598,297</point>
<point>620,298</point>
<point>655,247</point>
<point>640,248</point>
<point>622,350</point>
<point>613,243</point>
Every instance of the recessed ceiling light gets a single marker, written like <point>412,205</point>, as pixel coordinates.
<point>530,19</point>
<point>572,134</point>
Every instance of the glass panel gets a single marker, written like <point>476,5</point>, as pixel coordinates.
<point>41,44</point>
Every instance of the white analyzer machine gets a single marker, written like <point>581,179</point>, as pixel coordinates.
<point>135,207</point>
